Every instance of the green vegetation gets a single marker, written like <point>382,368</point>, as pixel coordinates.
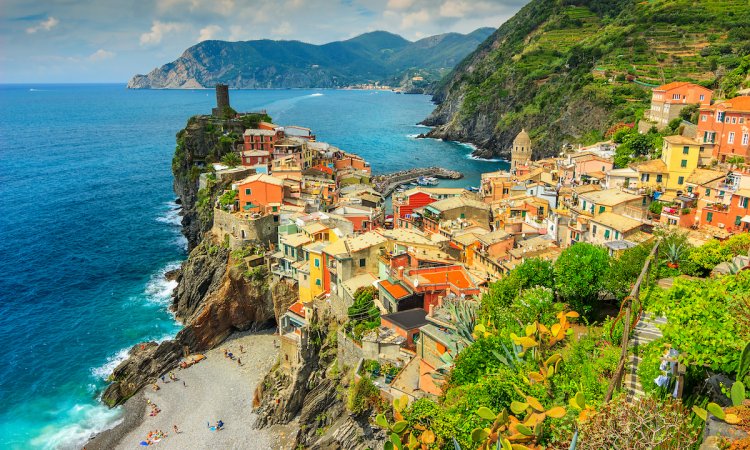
<point>364,315</point>
<point>231,159</point>
<point>565,69</point>
<point>228,198</point>
<point>580,273</point>
<point>253,120</point>
<point>362,396</point>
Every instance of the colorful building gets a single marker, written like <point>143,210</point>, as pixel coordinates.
<point>260,193</point>
<point>724,128</point>
<point>668,100</point>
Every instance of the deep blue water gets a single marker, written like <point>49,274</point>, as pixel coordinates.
<point>88,227</point>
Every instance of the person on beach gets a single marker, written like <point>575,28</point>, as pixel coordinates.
<point>162,379</point>
<point>241,349</point>
<point>219,425</point>
<point>239,361</point>
<point>183,383</point>
<point>226,353</point>
<point>176,430</point>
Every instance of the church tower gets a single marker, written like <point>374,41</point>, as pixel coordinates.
<point>520,154</point>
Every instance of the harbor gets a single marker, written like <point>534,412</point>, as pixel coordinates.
<point>424,176</point>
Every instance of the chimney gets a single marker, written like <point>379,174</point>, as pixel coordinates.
<point>431,312</point>
<point>440,301</point>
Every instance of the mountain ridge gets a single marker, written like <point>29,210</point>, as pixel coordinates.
<point>567,70</point>
<point>377,56</point>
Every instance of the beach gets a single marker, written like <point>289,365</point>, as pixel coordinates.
<point>216,388</point>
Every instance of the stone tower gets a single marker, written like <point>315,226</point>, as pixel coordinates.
<point>520,154</point>
<point>222,100</point>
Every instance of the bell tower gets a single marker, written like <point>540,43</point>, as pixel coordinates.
<point>520,154</point>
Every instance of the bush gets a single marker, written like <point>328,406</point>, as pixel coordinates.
<point>589,363</point>
<point>701,322</point>
<point>580,272</point>
<point>478,360</point>
<point>704,258</point>
<point>648,368</point>
<point>646,424</point>
<point>363,396</point>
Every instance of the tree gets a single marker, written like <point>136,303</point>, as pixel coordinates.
<point>231,159</point>
<point>580,273</point>
<point>625,270</point>
<point>704,258</point>
<point>536,272</point>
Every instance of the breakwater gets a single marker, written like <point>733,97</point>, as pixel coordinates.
<point>387,183</point>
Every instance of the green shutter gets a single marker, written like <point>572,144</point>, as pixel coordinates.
<point>709,217</point>
<point>606,234</point>
<point>601,209</point>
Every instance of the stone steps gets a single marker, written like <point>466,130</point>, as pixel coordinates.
<point>645,332</point>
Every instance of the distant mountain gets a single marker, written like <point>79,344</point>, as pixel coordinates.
<point>378,56</point>
<point>567,70</point>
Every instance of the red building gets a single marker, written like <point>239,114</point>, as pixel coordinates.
<point>405,204</point>
<point>255,157</point>
<point>731,208</point>
<point>724,128</point>
<point>257,139</point>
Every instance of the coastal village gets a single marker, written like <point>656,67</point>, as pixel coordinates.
<point>394,281</point>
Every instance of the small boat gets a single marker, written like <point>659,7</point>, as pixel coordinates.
<point>414,183</point>
<point>472,188</point>
<point>431,181</point>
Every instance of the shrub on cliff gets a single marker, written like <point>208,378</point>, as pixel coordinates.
<point>580,272</point>
<point>362,396</point>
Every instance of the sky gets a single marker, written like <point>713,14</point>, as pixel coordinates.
<point>77,41</point>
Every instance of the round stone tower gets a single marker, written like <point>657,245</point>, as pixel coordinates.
<point>520,154</point>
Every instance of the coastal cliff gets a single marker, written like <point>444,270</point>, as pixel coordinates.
<point>217,293</point>
<point>568,71</point>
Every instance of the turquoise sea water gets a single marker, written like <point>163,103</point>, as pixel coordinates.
<point>88,227</point>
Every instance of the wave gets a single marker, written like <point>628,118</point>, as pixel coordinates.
<point>173,216</point>
<point>159,289</point>
<point>85,421</point>
<point>412,136</point>
<point>317,94</point>
<point>419,125</point>
<point>105,370</point>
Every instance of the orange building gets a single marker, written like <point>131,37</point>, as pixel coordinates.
<point>668,100</point>
<point>724,128</point>
<point>261,193</point>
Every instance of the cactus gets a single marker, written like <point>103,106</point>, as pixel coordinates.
<point>738,397</point>
<point>400,437</point>
<point>508,431</point>
<point>744,365</point>
<point>463,316</point>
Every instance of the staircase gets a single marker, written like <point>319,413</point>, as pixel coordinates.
<point>645,332</point>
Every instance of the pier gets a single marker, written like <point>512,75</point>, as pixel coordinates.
<point>387,183</point>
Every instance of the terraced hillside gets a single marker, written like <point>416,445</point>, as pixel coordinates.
<point>566,70</point>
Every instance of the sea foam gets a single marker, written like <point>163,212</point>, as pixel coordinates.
<point>84,422</point>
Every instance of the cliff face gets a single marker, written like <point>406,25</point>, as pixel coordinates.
<point>217,293</point>
<point>568,70</point>
<point>371,57</point>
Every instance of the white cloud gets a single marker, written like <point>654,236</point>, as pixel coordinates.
<point>283,29</point>
<point>399,4</point>
<point>44,25</point>
<point>100,55</point>
<point>157,32</point>
<point>454,8</point>
<point>208,33</point>
<point>415,18</point>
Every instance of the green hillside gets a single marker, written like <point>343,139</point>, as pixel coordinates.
<point>568,69</point>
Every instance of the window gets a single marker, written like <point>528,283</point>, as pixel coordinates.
<point>690,189</point>
<point>702,97</point>
<point>606,234</point>
<point>317,262</point>
<point>702,149</point>
<point>680,180</point>
<point>683,163</point>
<point>709,137</point>
<point>675,96</point>
<point>644,177</point>
<point>362,262</point>
<point>708,191</point>
<point>742,120</point>
<point>307,256</point>
<point>617,235</point>
<point>659,178</point>
<point>593,230</point>
<point>704,118</point>
<point>463,216</point>
<point>719,116</point>
<point>738,220</point>
<point>248,191</point>
<point>317,282</point>
<point>685,150</point>
<point>745,138</point>
<point>730,139</point>
<point>601,209</point>
<point>709,217</point>
<point>743,202</point>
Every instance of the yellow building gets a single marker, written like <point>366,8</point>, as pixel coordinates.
<point>679,158</point>
<point>311,282</point>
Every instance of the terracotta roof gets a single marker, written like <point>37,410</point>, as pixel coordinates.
<point>610,197</point>
<point>452,274</point>
<point>680,140</point>
<point>672,85</point>
<point>263,178</point>
<point>736,104</point>
<point>397,291</point>
<point>494,237</point>
<point>652,166</point>
<point>616,222</point>
<point>297,308</point>
<point>703,176</point>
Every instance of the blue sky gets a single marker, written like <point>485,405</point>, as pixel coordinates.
<point>70,41</point>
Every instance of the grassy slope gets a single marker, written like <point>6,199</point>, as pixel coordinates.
<point>559,68</point>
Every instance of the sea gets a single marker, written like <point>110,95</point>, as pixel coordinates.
<point>89,225</point>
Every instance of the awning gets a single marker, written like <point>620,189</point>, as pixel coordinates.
<point>249,207</point>
<point>746,219</point>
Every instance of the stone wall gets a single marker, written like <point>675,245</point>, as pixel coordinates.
<point>240,230</point>
<point>349,353</point>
